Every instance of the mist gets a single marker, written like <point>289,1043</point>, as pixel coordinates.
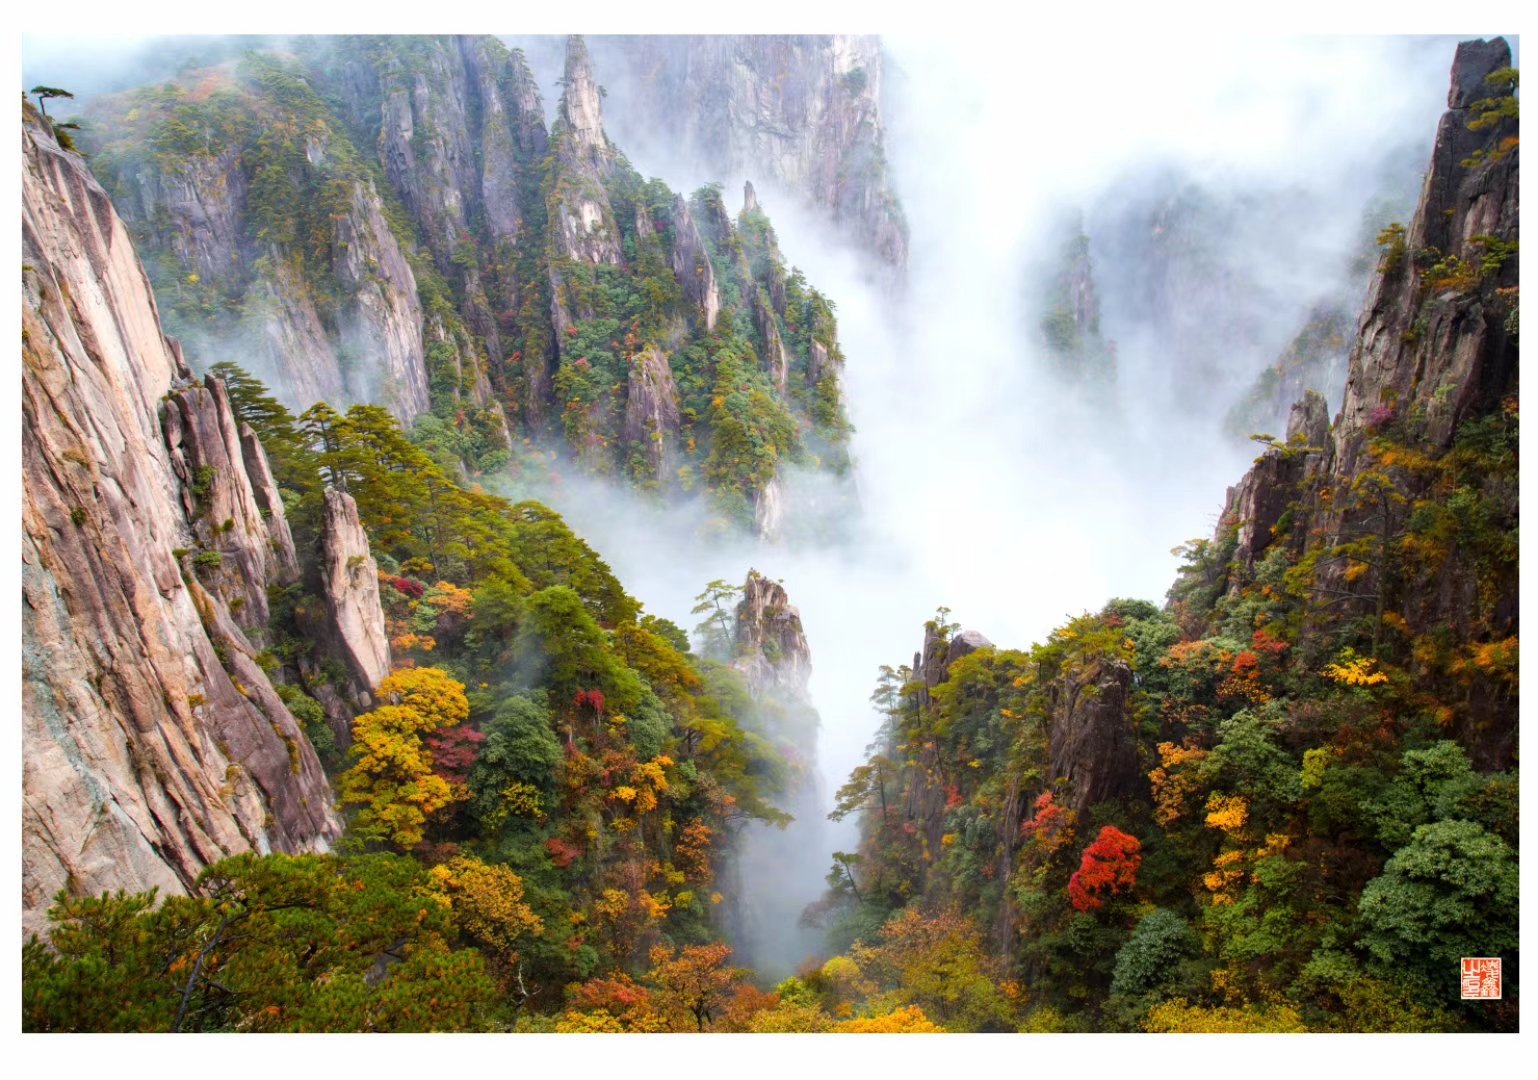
<point>984,483</point>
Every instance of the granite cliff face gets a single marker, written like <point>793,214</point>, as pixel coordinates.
<point>152,742</point>
<point>771,647</point>
<point>802,111</point>
<point>581,219</point>
<point>265,242</point>
<point>355,621</point>
<point>1437,339</point>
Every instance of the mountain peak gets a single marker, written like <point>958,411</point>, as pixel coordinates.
<point>581,108</point>
<point>1474,61</point>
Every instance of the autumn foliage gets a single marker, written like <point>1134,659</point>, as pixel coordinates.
<point>1110,865</point>
<point>393,781</point>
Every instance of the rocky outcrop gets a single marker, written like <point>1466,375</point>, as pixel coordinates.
<point>201,206</point>
<point>778,871</point>
<point>1258,504</point>
<point>651,418</point>
<point>1434,345</point>
<point>775,359</point>
<point>291,348</point>
<point>285,559</point>
<point>355,629</point>
<point>803,111</point>
<point>1435,355</point>
<point>964,644</point>
<point>152,744</point>
<point>424,142</point>
<point>417,240</point>
<point>240,550</point>
<point>461,138</point>
<point>282,253</point>
<point>512,126</point>
<point>771,647</point>
<point>460,127</point>
<point>1093,749</point>
<point>932,663</point>
<point>692,266</point>
<point>381,324</point>
<point>582,225</point>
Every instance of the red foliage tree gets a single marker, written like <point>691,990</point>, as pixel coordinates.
<point>408,587</point>
<point>454,751</point>
<point>1110,864</point>
<point>562,852</point>
<point>1050,826</point>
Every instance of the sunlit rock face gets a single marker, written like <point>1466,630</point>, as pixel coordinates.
<point>152,742</point>
<point>582,221</point>
<point>355,628</point>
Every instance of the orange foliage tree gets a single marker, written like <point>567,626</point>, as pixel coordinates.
<point>696,979</point>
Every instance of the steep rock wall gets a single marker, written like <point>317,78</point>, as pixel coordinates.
<point>152,743</point>
<point>804,111</point>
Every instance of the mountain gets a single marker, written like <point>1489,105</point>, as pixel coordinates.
<point>389,221</point>
<point>1287,800</point>
<point>243,627</point>
<point>321,734</point>
<point>803,112</point>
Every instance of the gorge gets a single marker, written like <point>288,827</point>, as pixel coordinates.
<point>404,527</point>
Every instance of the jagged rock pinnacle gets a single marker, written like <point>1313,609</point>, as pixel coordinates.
<point>1474,61</point>
<point>749,197</point>
<point>580,106</point>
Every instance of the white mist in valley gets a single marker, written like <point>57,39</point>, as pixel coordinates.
<point>985,485</point>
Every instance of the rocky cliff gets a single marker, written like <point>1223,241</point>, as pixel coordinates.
<point>265,236</point>
<point>771,647</point>
<point>1070,306</point>
<point>386,220</point>
<point>801,111</point>
<point>1437,342</point>
<point>355,622</point>
<point>1401,520</point>
<point>152,742</point>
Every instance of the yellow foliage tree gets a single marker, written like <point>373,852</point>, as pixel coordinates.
<point>392,780</point>
<point>1357,671</point>
<point>1180,1016</point>
<point>908,1020</point>
<point>431,692</point>
<point>487,902</point>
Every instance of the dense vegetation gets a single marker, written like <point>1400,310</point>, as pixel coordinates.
<point>1285,801</point>
<point>1288,801</point>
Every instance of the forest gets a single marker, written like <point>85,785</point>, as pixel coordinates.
<point>1283,799</point>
